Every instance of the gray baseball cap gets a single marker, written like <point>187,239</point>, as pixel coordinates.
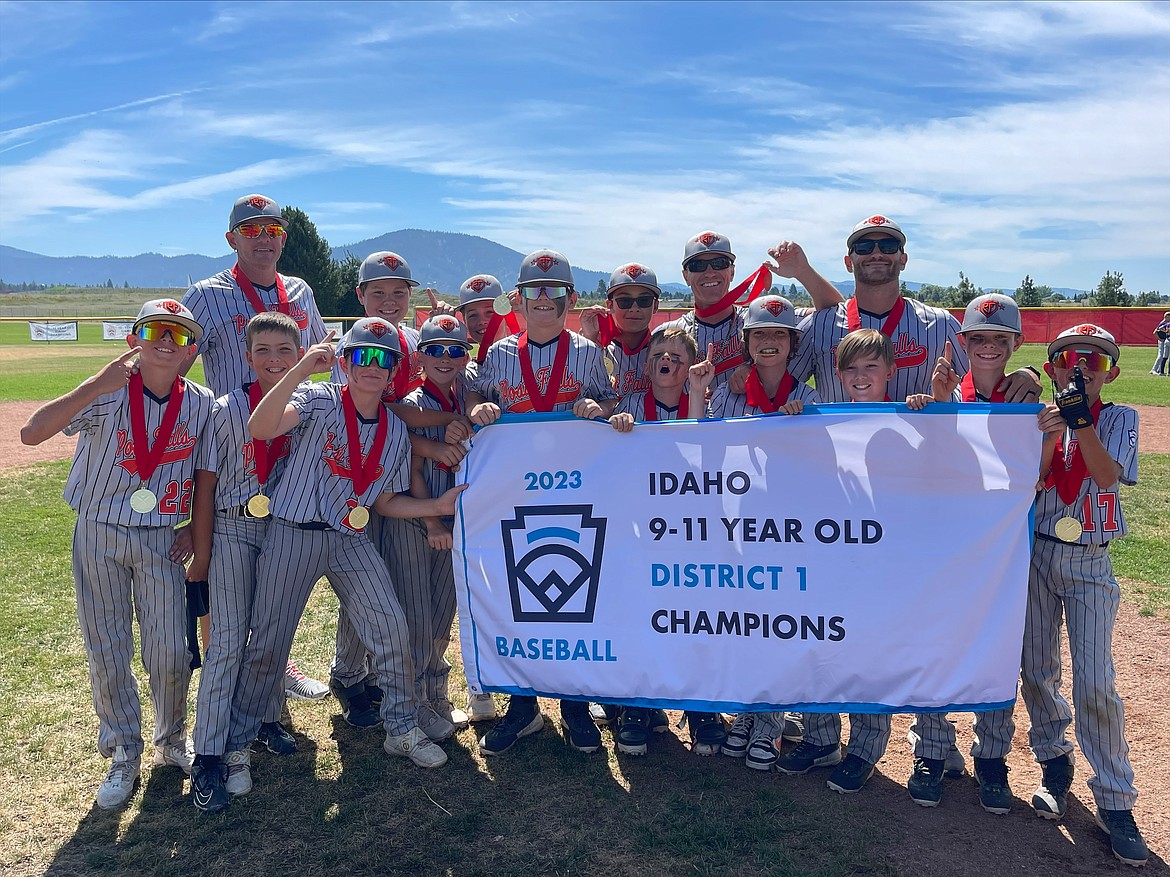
<point>481,287</point>
<point>252,207</point>
<point>770,311</point>
<point>371,332</point>
<point>443,329</point>
<point>707,242</point>
<point>633,274</point>
<point>877,222</point>
<point>385,265</point>
<point>545,267</point>
<point>990,312</point>
<point>170,311</point>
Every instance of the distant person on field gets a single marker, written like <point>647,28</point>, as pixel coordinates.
<point>1162,333</point>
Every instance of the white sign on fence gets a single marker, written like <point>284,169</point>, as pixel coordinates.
<point>42,331</point>
<point>855,558</point>
<point>117,330</point>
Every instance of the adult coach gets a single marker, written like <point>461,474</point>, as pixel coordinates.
<point>223,304</point>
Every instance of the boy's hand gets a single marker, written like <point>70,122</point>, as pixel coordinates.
<point>439,308</point>
<point>446,502</point>
<point>183,548</point>
<point>589,326</point>
<point>790,260</point>
<point>320,357</point>
<point>623,422</point>
<point>485,413</point>
<point>438,536</point>
<point>737,380</point>
<point>944,380</point>
<point>587,409</point>
<point>115,375</point>
<point>700,375</point>
<point>1050,420</point>
<point>449,455</point>
<point>792,406</point>
<point>1022,385</point>
<point>918,401</point>
<point>458,431</point>
<point>1073,402</point>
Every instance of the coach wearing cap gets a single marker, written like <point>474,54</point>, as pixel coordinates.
<point>875,256</point>
<point>223,304</point>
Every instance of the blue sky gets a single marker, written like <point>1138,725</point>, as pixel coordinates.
<point>1006,138</point>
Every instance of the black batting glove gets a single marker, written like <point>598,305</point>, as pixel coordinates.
<point>198,603</point>
<point>1073,402</point>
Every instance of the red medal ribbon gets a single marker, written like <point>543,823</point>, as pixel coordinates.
<point>266,453</point>
<point>967,388</point>
<point>406,379</point>
<point>544,401</point>
<point>632,351</point>
<point>450,404</point>
<point>650,407</point>
<point>1069,472</point>
<point>854,316</point>
<point>363,470</point>
<point>493,327</point>
<point>253,297</point>
<point>757,283</point>
<point>758,397</point>
<point>146,456</point>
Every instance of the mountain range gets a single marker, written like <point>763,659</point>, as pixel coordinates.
<point>442,260</point>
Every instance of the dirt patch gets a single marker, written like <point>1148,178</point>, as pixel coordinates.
<point>13,416</point>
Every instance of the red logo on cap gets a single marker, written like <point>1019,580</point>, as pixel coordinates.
<point>634,271</point>
<point>446,324</point>
<point>990,306</point>
<point>477,285</point>
<point>258,202</point>
<point>391,261</point>
<point>544,262</point>
<point>775,307</point>
<point>378,328</point>
<point>707,238</point>
<point>1087,329</point>
<point>173,306</point>
<point>876,220</point>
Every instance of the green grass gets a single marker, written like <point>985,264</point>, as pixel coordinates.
<point>1134,386</point>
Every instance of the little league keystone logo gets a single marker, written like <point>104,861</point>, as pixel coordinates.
<point>553,556</point>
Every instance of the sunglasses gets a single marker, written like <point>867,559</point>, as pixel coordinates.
<point>532,293</point>
<point>254,231</point>
<point>453,351</point>
<point>1092,360</point>
<point>158,330</point>
<point>379,356</point>
<point>888,246</point>
<point>698,266</point>
<point>642,301</point>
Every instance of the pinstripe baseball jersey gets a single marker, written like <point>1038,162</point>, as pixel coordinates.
<point>628,366</point>
<point>635,404</point>
<point>1098,510</point>
<point>439,479</point>
<point>500,378</point>
<point>228,451</point>
<point>316,484</point>
<point>105,467</point>
<point>727,336</point>
<point>222,309</point>
<point>919,339</point>
<point>410,380</point>
<point>725,403</point>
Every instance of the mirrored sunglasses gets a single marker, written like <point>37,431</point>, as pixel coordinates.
<point>275,230</point>
<point>1088,360</point>
<point>451,351</point>
<point>158,330</point>
<point>532,293</point>
<point>379,356</point>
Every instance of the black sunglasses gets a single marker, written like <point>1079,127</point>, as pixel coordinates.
<point>642,301</point>
<point>888,246</point>
<point>698,266</point>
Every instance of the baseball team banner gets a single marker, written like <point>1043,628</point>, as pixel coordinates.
<point>117,330</point>
<point>42,331</point>
<point>854,558</point>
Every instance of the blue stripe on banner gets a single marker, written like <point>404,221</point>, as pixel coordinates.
<point>560,532</point>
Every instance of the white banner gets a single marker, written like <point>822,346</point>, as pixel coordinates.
<point>41,331</point>
<point>336,326</point>
<point>855,558</point>
<point>117,330</point>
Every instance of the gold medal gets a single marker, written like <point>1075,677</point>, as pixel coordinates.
<point>359,516</point>
<point>143,500</point>
<point>502,305</point>
<point>1068,529</point>
<point>258,506</point>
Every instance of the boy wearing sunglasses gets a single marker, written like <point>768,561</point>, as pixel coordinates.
<point>622,327</point>
<point>347,457</point>
<point>545,368</point>
<point>224,303</point>
<point>383,290</point>
<point>1090,449</point>
<point>137,421</point>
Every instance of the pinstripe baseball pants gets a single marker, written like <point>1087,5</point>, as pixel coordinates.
<point>869,733</point>
<point>119,570</point>
<point>1076,582</point>
<point>932,734</point>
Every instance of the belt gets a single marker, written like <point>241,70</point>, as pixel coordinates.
<point>311,525</point>
<point>240,512</point>
<point>1048,538</point>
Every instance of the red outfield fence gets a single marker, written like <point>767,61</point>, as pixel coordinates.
<point>1133,326</point>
